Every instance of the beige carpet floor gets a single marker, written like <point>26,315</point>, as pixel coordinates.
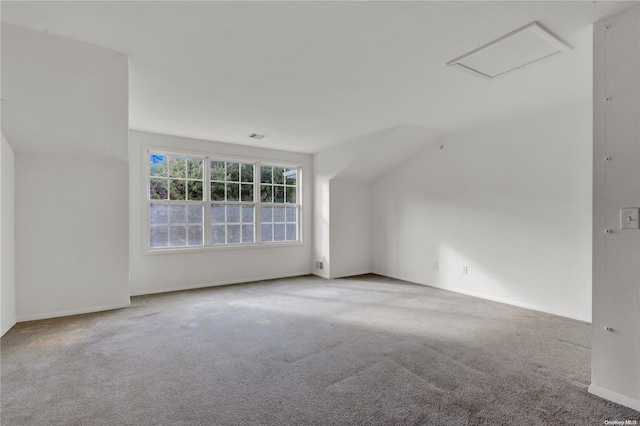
<point>303,351</point>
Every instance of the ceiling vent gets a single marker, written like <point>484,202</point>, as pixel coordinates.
<point>512,51</point>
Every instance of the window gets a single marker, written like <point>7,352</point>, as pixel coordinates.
<point>200,201</point>
<point>278,212</point>
<point>232,203</point>
<point>176,204</point>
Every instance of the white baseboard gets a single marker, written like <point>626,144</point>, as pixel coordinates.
<point>517,303</point>
<point>7,328</point>
<point>614,397</point>
<point>73,312</point>
<point>321,274</point>
<point>150,291</point>
<point>216,284</point>
<point>492,298</point>
<point>354,274</point>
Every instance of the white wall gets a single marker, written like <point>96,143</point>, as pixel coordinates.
<point>321,218</point>
<point>7,238</point>
<point>615,372</point>
<point>348,169</point>
<point>63,97</point>
<point>66,115</point>
<point>71,236</point>
<point>152,273</point>
<point>511,202</point>
<point>350,232</point>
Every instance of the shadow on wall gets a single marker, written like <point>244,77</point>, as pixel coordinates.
<point>511,202</point>
<point>517,258</point>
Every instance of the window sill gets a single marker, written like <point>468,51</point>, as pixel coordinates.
<point>199,249</point>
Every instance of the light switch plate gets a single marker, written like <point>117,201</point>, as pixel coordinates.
<point>629,218</point>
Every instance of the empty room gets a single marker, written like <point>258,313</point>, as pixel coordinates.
<point>320,213</point>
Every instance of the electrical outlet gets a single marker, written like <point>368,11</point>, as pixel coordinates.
<point>435,266</point>
<point>319,265</point>
<point>465,270</point>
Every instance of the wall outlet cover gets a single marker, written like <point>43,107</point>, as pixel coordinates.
<point>629,218</point>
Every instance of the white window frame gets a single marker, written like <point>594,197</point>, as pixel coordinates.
<point>170,202</point>
<point>207,202</point>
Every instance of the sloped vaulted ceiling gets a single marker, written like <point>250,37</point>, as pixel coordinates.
<point>312,75</point>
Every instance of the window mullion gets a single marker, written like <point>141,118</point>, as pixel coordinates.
<point>258,204</point>
<point>226,205</point>
<point>206,201</point>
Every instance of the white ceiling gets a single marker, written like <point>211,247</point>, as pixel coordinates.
<point>312,75</point>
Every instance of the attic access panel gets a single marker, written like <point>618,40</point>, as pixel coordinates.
<point>512,51</point>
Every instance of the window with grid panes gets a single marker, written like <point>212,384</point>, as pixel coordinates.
<point>232,203</point>
<point>203,201</point>
<point>278,204</point>
<point>176,203</point>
